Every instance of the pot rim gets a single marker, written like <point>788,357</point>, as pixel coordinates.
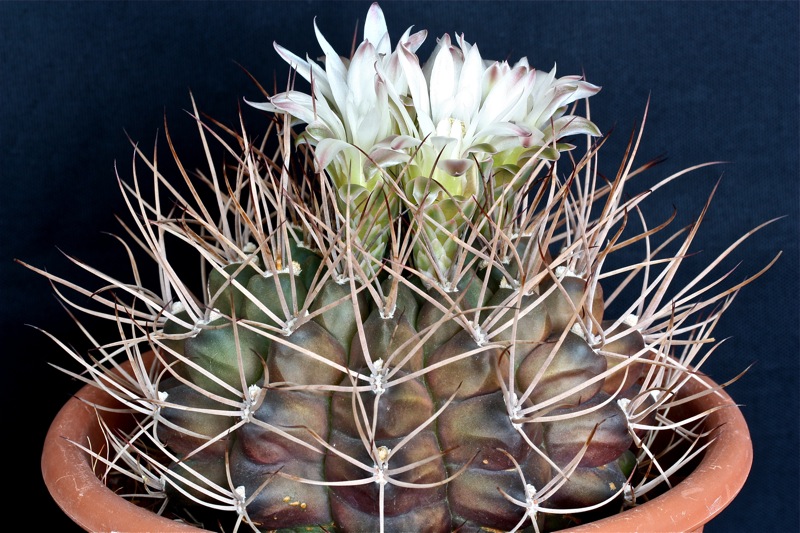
<point>71,481</point>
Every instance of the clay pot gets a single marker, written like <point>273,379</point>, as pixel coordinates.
<point>687,507</point>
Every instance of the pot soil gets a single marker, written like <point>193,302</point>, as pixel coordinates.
<point>69,475</point>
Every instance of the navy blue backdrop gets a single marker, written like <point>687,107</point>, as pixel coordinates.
<point>723,83</point>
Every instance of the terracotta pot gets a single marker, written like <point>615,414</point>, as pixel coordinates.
<point>692,503</point>
<point>70,477</point>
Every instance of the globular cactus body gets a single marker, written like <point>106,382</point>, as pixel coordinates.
<point>430,431</point>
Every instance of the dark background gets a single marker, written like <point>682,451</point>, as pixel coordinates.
<point>723,83</point>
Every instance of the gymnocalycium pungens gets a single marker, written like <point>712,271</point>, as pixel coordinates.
<point>403,317</point>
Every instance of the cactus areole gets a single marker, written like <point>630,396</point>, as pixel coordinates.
<point>402,320</point>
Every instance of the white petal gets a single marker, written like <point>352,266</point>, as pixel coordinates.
<point>318,130</point>
<point>400,142</point>
<point>309,70</point>
<point>382,113</point>
<point>392,72</point>
<point>463,44</point>
<point>491,75</point>
<point>308,110</point>
<point>337,72</point>
<point>523,62</point>
<point>442,85</point>
<point>455,167</point>
<point>300,65</point>
<point>415,40</point>
<point>505,129</point>
<point>330,117</point>
<point>263,106</point>
<point>574,125</point>
<point>418,88</point>
<point>390,68</point>
<point>484,148</point>
<point>295,103</point>
<point>383,157</point>
<point>361,75</point>
<point>442,42</point>
<point>327,150</point>
<point>439,142</point>
<point>367,128</point>
<point>503,97</point>
<point>534,139</point>
<point>518,112</point>
<point>583,89</point>
<point>402,120</point>
<point>375,30</point>
<point>468,99</point>
<point>558,98</point>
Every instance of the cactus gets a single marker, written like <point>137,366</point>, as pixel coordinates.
<point>403,321</point>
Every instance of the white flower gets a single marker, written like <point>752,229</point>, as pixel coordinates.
<point>468,109</point>
<point>458,120</point>
<point>441,130</point>
<point>543,111</point>
<point>349,111</point>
